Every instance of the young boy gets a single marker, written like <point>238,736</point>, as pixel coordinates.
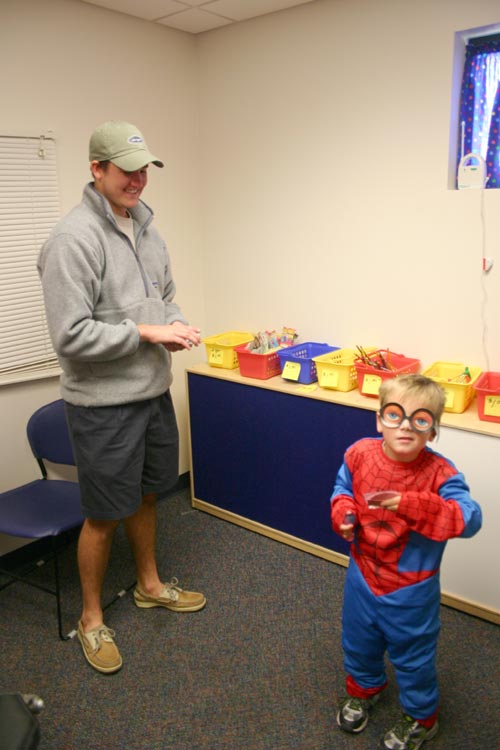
<point>398,502</point>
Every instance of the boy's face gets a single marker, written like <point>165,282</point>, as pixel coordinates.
<point>404,443</point>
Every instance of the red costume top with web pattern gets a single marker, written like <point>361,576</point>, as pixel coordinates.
<point>397,549</point>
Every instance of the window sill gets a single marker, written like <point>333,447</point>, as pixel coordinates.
<point>24,377</point>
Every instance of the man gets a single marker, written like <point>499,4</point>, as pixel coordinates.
<point>109,293</point>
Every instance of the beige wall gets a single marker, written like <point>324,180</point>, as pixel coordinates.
<point>325,137</point>
<point>307,168</point>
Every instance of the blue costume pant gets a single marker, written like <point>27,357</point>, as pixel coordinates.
<point>404,623</point>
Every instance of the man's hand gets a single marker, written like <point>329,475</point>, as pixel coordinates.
<point>174,336</point>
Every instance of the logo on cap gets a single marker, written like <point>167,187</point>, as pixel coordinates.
<point>135,139</point>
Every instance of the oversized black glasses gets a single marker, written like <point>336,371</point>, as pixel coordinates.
<point>421,420</point>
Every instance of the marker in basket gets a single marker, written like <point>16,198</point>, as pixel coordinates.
<point>377,360</point>
<point>464,377</point>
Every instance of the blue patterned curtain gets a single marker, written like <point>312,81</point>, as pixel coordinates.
<point>493,152</point>
<point>480,105</point>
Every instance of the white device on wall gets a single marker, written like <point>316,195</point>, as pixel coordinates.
<point>471,172</point>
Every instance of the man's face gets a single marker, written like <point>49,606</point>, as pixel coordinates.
<point>122,189</point>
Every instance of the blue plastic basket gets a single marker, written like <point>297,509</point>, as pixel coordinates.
<point>297,362</point>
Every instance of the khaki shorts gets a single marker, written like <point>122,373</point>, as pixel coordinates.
<point>123,453</point>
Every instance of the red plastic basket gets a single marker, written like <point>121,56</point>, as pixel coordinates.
<point>370,378</point>
<point>488,396</point>
<point>260,366</point>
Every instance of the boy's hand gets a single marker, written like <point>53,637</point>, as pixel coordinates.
<point>347,527</point>
<point>391,503</point>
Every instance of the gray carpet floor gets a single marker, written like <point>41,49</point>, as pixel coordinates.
<point>260,668</point>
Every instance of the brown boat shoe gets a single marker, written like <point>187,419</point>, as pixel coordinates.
<point>100,649</point>
<point>172,597</point>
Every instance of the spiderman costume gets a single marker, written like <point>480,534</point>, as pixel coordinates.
<point>392,590</point>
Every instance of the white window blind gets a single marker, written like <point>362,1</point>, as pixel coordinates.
<point>29,208</point>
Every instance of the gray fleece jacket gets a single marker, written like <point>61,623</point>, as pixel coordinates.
<point>96,290</point>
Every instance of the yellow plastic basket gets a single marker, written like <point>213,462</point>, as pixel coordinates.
<point>458,388</point>
<point>336,370</point>
<point>221,348</point>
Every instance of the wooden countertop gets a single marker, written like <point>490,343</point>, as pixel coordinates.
<point>468,420</point>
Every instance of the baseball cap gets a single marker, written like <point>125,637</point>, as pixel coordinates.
<point>123,144</point>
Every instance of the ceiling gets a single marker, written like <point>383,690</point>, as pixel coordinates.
<point>196,16</point>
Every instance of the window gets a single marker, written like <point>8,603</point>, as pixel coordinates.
<point>29,208</point>
<point>479,115</point>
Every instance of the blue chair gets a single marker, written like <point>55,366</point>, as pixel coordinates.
<point>44,508</point>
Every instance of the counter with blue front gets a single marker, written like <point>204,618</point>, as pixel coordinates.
<point>265,453</point>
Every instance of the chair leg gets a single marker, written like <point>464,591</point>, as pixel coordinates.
<point>58,591</point>
<point>120,595</point>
